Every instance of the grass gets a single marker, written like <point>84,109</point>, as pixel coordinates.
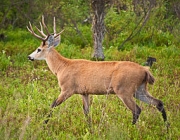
<point>27,90</point>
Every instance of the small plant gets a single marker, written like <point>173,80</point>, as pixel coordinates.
<point>4,61</point>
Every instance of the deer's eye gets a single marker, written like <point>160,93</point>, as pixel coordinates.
<point>38,50</point>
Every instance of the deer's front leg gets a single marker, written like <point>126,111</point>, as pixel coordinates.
<point>85,98</point>
<point>61,98</point>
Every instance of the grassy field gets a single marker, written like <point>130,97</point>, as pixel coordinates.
<point>27,90</point>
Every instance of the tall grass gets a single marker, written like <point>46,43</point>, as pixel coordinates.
<point>27,90</point>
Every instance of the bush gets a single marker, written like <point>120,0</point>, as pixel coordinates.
<point>5,61</point>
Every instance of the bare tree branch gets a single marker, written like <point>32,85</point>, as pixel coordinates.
<point>134,32</point>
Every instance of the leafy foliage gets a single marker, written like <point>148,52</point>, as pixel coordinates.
<point>5,61</point>
<point>28,89</point>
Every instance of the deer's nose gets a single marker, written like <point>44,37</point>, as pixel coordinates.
<point>30,58</point>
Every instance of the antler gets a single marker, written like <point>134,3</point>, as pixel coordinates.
<point>45,25</point>
<point>41,31</point>
<point>55,35</point>
<point>45,37</point>
<point>33,33</point>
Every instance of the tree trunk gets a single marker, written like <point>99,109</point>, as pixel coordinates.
<point>98,27</point>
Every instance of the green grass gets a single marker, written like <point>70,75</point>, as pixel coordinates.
<point>27,90</point>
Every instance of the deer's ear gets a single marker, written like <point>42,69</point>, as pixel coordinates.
<point>50,41</point>
<point>57,41</point>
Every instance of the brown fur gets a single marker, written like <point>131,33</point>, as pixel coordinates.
<point>89,77</point>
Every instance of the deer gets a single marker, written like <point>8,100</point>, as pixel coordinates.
<point>125,79</point>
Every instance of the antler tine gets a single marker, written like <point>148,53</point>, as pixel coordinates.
<point>54,26</point>
<point>45,25</point>
<point>41,31</point>
<point>32,32</point>
<point>59,33</point>
<point>55,35</point>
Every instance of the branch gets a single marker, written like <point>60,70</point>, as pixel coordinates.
<point>132,35</point>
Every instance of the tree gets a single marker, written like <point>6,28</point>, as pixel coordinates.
<point>98,27</point>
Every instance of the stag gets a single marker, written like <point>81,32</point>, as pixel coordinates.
<point>125,79</point>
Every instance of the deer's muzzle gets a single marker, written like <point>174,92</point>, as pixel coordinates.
<point>30,58</point>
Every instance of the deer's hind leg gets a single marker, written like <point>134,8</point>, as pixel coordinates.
<point>127,98</point>
<point>143,95</point>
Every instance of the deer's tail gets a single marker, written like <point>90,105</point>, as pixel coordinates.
<point>149,77</point>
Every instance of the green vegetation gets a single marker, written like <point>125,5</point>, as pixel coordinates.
<point>27,89</point>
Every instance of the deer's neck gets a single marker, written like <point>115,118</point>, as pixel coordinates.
<point>55,61</point>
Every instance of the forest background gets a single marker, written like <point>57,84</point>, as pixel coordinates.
<point>134,30</point>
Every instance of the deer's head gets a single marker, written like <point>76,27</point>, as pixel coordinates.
<point>48,41</point>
